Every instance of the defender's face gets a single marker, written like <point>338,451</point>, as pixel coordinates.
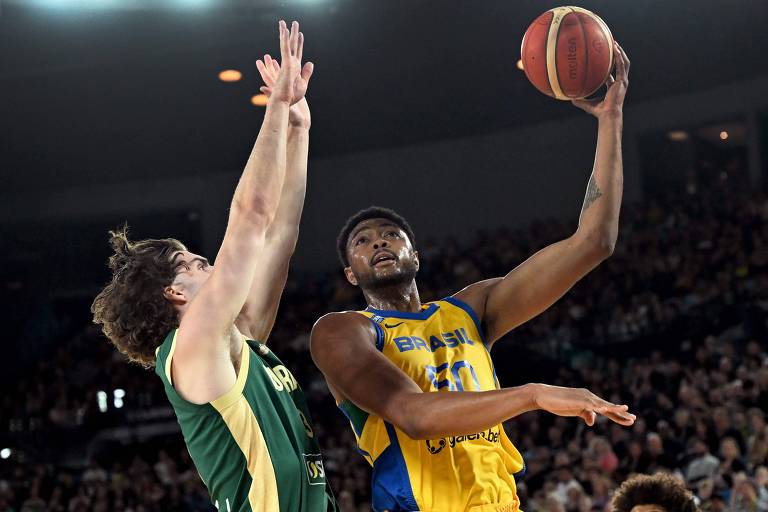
<point>192,271</point>
<point>380,254</point>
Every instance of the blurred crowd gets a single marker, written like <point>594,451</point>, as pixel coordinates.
<point>673,324</point>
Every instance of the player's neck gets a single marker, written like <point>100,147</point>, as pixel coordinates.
<point>402,297</point>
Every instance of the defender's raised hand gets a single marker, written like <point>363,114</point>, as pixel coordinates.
<point>287,82</point>
<point>617,88</point>
<point>269,69</point>
<point>579,402</point>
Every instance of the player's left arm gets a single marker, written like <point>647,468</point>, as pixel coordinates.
<point>532,287</point>
<point>258,314</point>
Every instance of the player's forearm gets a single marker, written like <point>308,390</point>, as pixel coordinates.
<point>260,185</point>
<point>599,219</point>
<point>285,227</point>
<point>434,415</point>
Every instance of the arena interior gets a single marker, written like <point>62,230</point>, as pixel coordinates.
<point>114,112</point>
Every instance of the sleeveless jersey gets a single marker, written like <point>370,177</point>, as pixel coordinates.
<point>254,447</point>
<point>442,349</point>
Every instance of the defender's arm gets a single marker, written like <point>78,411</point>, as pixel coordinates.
<point>258,315</point>
<point>343,347</point>
<point>201,365</point>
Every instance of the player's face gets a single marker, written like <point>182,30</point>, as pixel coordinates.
<point>380,255</point>
<point>192,271</point>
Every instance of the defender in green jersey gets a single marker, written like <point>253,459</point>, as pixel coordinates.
<point>243,415</point>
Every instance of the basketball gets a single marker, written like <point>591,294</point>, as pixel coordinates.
<point>567,53</point>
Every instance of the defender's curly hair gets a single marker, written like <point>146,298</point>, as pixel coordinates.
<point>372,212</point>
<point>660,489</point>
<point>131,309</point>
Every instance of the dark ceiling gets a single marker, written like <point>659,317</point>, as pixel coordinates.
<point>113,95</point>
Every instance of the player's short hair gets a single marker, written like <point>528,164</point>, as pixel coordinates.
<point>660,489</point>
<point>372,212</point>
<point>131,309</point>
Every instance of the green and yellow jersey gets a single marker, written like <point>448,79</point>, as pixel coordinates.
<point>254,447</point>
<point>442,349</point>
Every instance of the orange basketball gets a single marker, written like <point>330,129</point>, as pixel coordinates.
<point>567,53</point>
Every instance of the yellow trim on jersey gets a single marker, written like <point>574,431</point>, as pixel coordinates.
<point>245,430</point>
<point>231,396</point>
<point>170,356</point>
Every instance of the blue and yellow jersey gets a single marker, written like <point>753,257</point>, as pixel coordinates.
<point>442,349</point>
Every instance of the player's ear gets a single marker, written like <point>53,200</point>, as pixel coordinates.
<point>350,276</point>
<point>416,258</point>
<point>175,295</point>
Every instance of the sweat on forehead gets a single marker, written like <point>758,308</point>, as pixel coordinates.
<point>374,212</point>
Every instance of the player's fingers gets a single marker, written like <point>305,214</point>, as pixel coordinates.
<point>610,81</point>
<point>285,50</point>
<point>585,105</point>
<point>307,70</point>
<point>621,71</point>
<point>294,38</point>
<point>588,417</point>
<point>266,90</point>
<point>269,64</point>
<point>300,51</point>
<point>263,71</point>
<point>625,58</point>
<point>275,66</point>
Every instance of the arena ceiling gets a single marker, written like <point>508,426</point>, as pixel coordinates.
<point>130,92</point>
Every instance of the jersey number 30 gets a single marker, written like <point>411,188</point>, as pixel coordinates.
<point>441,377</point>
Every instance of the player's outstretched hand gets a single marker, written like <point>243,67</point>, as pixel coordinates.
<point>613,101</point>
<point>269,69</point>
<point>579,402</point>
<point>289,81</point>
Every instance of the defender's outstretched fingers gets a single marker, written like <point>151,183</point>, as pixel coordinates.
<point>285,49</point>
<point>300,52</point>
<point>294,41</point>
<point>307,70</point>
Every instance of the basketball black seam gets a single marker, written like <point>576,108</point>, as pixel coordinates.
<point>586,52</point>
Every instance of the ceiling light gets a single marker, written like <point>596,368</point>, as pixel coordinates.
<point>520,64</point>
<point>723,135</point>
<point>230,75</point>
<point>678,135</point>
<point>259,100</point>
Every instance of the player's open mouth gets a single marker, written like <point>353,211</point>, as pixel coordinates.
<point>383,258</point>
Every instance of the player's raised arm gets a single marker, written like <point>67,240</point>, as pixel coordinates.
<point>202,366</point>
<point>258,314</point>
<point>343,347</point>
<point>537,283</point>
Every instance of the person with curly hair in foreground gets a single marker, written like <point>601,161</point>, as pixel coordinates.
<point>657,493</point>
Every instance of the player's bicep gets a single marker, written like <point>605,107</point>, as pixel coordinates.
<point>535,285</point>
<point>343,347</point>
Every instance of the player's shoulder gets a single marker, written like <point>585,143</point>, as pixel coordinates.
<point>338,319</point>
<point>339,323</point>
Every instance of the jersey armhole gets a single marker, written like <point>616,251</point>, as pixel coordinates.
<point>471,312</point>
<point>220,403</point>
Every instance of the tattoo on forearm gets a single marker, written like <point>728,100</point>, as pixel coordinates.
<point>593,193</point>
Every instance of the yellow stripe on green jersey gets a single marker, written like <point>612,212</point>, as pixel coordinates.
<point>442,349</point>
<point>253,447</point>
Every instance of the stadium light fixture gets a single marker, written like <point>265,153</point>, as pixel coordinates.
<point>5,453</point>
<point>230,75</point>
<point>101,399</point>
<point>678,135</point>
<point>259,100</point>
